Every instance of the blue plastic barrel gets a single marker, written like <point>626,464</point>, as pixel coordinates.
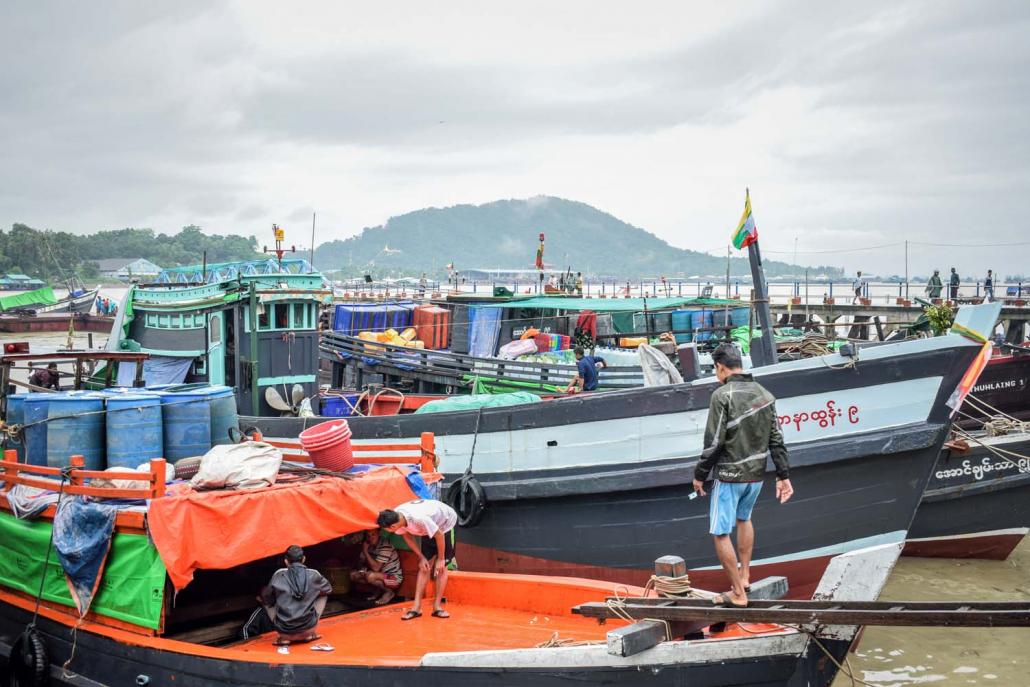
<point>700,319</point>
<point>135,433</point>
<point>16,416</point>
<point>681,324</point>
<point>739,317</point>
<point>223,414</point>
<point>76,427</point>
<point>35,409</point>
<point>187,424</point>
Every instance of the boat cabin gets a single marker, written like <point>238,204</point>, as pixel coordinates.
<point>247,325</point>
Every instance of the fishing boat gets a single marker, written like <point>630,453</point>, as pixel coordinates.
<point>599,485</point>
<point>251,325</point>
<point>43,301</point>
<point>977,504</point>
<point>503,629</point>
<point>1004,387</point>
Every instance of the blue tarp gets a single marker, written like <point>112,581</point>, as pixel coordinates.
<point>156,370</point>
<point>351,318</point>
<point>82,538</point>
<point>484,330</point>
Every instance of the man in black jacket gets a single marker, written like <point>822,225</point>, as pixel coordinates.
<point>742,433</point>
<point>295,599</point>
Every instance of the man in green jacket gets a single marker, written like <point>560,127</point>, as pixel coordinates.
<point>934,285</point>
<point>743,432</point>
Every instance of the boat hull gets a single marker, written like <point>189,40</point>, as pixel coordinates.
<point>1005,385</point>
<point>977,504</point>
<point>102,660</point>
<point>55,322</point>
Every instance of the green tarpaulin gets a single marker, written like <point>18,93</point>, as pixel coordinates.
<point>614,304</point>
<point>132,588</point>
<point>473,401</point>
<point>43,296</point>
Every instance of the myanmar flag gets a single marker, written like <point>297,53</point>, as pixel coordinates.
<point>746,233</point>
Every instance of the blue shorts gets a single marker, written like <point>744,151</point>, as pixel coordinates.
<point>731,501</point>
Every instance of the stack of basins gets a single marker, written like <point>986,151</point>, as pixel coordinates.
<point>328,444</point>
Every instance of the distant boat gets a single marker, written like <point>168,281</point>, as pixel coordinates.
<point>43,300</point>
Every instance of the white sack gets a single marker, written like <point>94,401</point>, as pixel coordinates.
<point>248,465</point>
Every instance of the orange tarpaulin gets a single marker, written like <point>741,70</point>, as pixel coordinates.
<point>220,529</point>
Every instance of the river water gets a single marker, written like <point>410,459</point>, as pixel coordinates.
<point>899,656</point>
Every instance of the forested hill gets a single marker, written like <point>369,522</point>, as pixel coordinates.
<point>503,234</point>
<point>55,255</point>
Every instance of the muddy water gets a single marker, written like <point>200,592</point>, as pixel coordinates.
<point>900,656</point>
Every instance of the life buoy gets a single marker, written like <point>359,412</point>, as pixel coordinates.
<point>468,499</point>
<point>29,665</point>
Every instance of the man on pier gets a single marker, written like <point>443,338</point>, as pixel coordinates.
<point>433,523</point>
<point>934,285</point>
<point>954,282</point>
<point>989,287</point>
<point>856,286</point>
<point>743,431</point>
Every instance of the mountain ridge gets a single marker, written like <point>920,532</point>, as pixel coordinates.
<point>502,234</point>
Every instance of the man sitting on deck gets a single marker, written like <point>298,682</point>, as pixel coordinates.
<point>49,378</point>
<point>295,599</point>
<point>587,367</point>
<point>743,431</point>
<point>432,522</point>
<point>381,567</point>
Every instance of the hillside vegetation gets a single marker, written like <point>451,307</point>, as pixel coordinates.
<point>503,234</point>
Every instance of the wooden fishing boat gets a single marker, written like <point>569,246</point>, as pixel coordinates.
<point>249,325</point>
<point>55,322</point>
<point>43,301</point>
<point>503,629</point>
<point>863,435</point>
<point>977,503</point>
<point>1003,387</point>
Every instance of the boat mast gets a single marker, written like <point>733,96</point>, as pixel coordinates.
<point>767,349</point>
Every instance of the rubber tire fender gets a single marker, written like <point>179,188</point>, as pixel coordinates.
<point>468,499</point>
<point>29,664</point>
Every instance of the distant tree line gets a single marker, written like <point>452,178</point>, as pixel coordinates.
<point>54,255</point>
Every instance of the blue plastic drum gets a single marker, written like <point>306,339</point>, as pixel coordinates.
<point>223,414</point>
<point>35,410</point>
<point>135,433</point>
<point>16,416</point>
<point>187,424</point>
<point>700,319</point>
<point>76,427</point>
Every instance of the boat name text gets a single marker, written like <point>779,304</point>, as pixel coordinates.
<point>824,418</point>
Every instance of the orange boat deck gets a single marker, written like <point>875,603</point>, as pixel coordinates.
<point>379,636</point>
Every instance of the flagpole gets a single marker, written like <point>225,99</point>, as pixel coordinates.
<point>767,350</point>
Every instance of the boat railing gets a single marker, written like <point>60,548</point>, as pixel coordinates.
<point>455,368</point>
<point>421,451</point>
<point>77,480</point>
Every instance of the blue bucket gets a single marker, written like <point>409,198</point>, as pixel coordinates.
<point>76,426</point>
<point>682,325</point>
<point>739,317</point>
<point>135,433</point>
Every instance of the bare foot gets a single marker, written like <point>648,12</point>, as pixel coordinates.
<point>386,598</point>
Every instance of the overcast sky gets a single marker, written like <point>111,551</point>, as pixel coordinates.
<point>854,124</point>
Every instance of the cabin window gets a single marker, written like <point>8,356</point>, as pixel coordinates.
<point>151,319</point>
<point>164,321</point>
<point>298,316</point>
<point>215,331</point>
<point>282,316</point>
<point>263,317</point>
<point>200,366</point>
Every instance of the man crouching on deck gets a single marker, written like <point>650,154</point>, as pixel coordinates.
<point>742,432</point>
<point>295,599</point>
<point>432,522</point>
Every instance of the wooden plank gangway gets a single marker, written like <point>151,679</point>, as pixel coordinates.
<point>890,613</point>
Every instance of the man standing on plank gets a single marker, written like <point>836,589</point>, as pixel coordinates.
<point>742,433</point>
<point>433,523</point>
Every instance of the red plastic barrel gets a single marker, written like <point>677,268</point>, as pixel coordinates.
<point>328,444</point>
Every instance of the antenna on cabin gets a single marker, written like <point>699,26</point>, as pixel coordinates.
<point>280,236</point>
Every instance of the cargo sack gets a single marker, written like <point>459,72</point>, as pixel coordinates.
<point>249,465</point>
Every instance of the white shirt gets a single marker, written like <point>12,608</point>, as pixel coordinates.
<point>426,517</point>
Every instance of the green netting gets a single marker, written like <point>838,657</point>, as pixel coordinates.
<point>613,304</point>
<point>132,588</point>
<point>493,385</point>
<point>473,401</point>
<point>43,296</point>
